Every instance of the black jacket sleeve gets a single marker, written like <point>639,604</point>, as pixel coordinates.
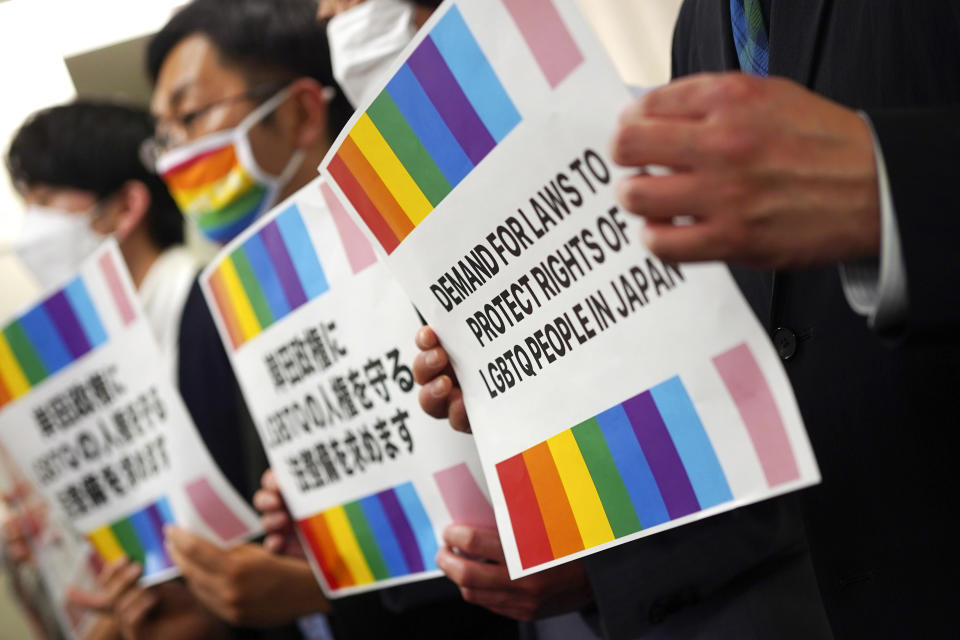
<point>213,398</point>
<point>919,149</point>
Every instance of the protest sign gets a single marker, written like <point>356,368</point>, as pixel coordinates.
<point>321,338</point>
<point>611,395</point>
<point>66,561</point>
<point>63,557</point>
<point>87,410</point>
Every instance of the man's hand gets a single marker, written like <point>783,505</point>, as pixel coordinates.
<point>480,571</point>
<point>16,541</point>
<point>246,585</point>
<point>275,518</point>
<point>119,597</point>
<point>765,173</point>
<point>440,396</point>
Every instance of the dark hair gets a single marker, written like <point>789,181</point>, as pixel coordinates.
<point>93,146</point>
<point>272,35</point>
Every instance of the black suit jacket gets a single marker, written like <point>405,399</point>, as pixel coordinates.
<point>881,416</point>
<point>880,413</point>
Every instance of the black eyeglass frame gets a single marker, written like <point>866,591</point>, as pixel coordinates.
<point>153,147</point>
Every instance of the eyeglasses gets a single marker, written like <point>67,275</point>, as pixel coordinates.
<point>152,148</point>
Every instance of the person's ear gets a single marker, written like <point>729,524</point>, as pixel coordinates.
<point>130,208</point>
<point>421,14</point>
<point>309,107</point>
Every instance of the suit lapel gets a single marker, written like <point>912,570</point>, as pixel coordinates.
<point>716,45</point>
<point>795,29</point>
<point>794,35</point>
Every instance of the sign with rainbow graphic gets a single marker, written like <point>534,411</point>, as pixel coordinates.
<point>99,432</point>
<point>320,337</point>
<point>64,558</point>
<point>389,534</point>
<point>641,463</point>
<point>611,395</point>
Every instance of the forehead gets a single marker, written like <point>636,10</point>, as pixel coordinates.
<point>65,198</point>
<point>194,70</point>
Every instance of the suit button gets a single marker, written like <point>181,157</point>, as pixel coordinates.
<point>785,340</point>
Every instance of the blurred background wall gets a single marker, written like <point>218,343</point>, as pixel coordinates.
<point>54,50</point>
<point>51,51</point>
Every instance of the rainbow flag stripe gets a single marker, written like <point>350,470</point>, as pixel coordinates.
<point>547,36</point>
<point>138,537</point>
<point>641,463</point>
<point>358,250</point>
<point>50,336</point>
<point>273,272</point>
<point>205,189</point>
<point>442,113</point>
<point>381,536</point>
<point>745,382</point>
<point>463,497</point>
<point>214,511</point>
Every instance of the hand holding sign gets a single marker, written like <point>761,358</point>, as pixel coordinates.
<point>119,596</point>
<point>478,568</point>
<point>772,175</point>
<point>275,518</point>
<point>162,611</point>
<point>246,585</point>
<point>440,395</point>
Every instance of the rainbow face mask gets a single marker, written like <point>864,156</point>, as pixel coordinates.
<point>217,182</point>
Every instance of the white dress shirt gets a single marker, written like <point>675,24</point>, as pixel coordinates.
<point>163,294</point>
<point>877,287</point>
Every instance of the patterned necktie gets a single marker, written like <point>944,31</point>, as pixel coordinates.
<point>750,36</point>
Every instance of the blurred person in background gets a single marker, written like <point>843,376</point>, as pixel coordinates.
<point>78,169</point>
<point>246,107</point>
<point>366,36</point>
<point>249,82</point>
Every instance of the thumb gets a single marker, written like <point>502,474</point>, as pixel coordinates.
<point>94,600</point>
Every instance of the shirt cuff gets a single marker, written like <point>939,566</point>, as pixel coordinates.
<point>877,287</point>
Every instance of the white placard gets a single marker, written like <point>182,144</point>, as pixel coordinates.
<point>321,339</point>
<point>611,395</point>
<point>91,416</point>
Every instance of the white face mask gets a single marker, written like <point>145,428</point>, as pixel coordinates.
<point>365,40</point>
<point>53,243</point>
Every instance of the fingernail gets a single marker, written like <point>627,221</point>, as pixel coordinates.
<point>455,533</point>
<point>646,236</point>
<point>441,560</point>
<point>438,388</point>
<point>433,358</point>
<point>422,338</point>
<point>133,570</point>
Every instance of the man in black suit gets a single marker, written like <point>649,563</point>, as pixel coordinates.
<point>826,216</point>
<point>831,190</point>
